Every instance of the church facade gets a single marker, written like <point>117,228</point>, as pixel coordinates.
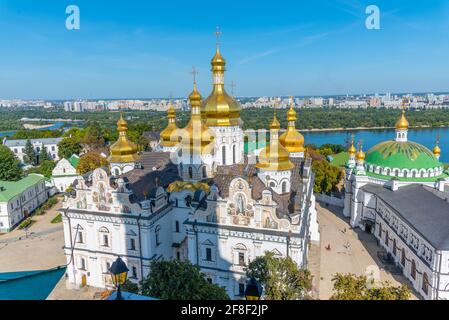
<point>199,197</point>
<point>399,191</point>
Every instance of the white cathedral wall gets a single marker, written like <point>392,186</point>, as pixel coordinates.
<point>228,137</point>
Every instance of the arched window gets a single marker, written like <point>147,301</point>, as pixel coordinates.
<point>223,155</point>
<point>284,187</point>
<point>388,172</point>
<point>272,184</point>
<point>396,173</point>
<point>190,173</point>
<point>405,174</point>
<point>180,168</point>
<point>413,270</point>
<point>204,172</point>
<point>104,237</point>
<point>425,283</point>
<point>233,154</point>
<point>403,257</point>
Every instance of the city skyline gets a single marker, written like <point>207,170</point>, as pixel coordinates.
<point>147,50</point>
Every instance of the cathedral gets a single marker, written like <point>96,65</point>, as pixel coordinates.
<point>197,197</point>
<point>398,191</point>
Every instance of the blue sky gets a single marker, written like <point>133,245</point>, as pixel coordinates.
<point>134,48</point>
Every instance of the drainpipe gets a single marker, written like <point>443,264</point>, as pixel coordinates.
<point>195,229</point>
<point>140,245</point>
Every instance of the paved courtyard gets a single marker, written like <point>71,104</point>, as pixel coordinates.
<point>351,251</point>
<point>38,249</point>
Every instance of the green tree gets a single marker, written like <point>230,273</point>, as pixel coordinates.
<point>327,176</point>
<point>352,287</point>
<point>179,280</point>
<point>68,147</point>
<point>90,161</point>
<point>30,155</point>
<point>43,154</point>
<point>280,277</point>
<point>130,286</point>
<point>10,169</point>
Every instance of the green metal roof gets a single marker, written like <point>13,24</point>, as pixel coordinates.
<point>402,155</point>
<point>10,189</point>
<point>74,159</point>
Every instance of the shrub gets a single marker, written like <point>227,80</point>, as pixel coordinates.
<point>25,224</point>
<point>57,219</point>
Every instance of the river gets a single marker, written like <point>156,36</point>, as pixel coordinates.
<point>370,138</point>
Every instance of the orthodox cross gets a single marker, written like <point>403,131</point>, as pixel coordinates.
<point>218,34</point>
<point>438,139</point>
<point>233,85</point>
<point>194,73</point>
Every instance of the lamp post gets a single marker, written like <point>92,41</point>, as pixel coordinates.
<point>119,272</point>
<point>253,290</point>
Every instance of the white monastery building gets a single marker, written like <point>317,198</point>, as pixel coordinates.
<point>199,198</point>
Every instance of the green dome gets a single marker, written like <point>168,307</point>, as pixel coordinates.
<point>402,155</point>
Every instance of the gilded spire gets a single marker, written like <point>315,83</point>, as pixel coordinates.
<point>167,135</point>
<point>437,150</point>
<point>274,157</point>
<point>123,150</point>
<point>352,150</point>
<point>291,139</point>
<point>402,123</point>
<point>220,109</point>
<point>361,154</point>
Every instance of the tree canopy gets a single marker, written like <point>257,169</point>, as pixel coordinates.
<point>327,176</point>
<point>352,287</point>
<point>30,155</point>
<point>280,277</point>
<point>179,280</point>
<point>10,168</point>
<point>90,161</point>
<point>69,146</point>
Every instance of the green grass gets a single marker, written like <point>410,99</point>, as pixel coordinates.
<point>340,159</point>
<point>57,219</point>
<point>26,223</point>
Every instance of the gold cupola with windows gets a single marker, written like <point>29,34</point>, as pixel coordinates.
<point>274,157</point>
<point>291,139</point>
<point>220,109</point>
<point>168,135</point>
<point>123,150</point>
<point>196,135</point>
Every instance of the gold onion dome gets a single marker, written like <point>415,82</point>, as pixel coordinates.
<point>220,109</point>
<point>352,150</point>
<point>360,155</point>
<point>274,157</point>
<point>402,123</point>
<point>168,135</point>
<point>437,151</point>
<point>123,150</point>
<point>197,135</point>
<point>291,139</point>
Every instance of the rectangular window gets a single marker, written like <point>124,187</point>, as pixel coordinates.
<point>132,244</point>
<point>209,280</point>
<point>105,241</point>
<point>208,254</point>
<point>241,259</point>
<point>80,238</point>
<point>82,264</point>
<point>134,272</point>
<point>178,255</point>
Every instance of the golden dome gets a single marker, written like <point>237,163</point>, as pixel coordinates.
<point>220,109</point>
<point>291,139</point>
<point>352,150</point>
<point>123,150</point>
<point>197,135</point>
<point>168,135</point>
<point>360,155</point>
<point>402,123</point>
<point>437,151</point>
<point>275,123</point>
<point>274,157</point>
